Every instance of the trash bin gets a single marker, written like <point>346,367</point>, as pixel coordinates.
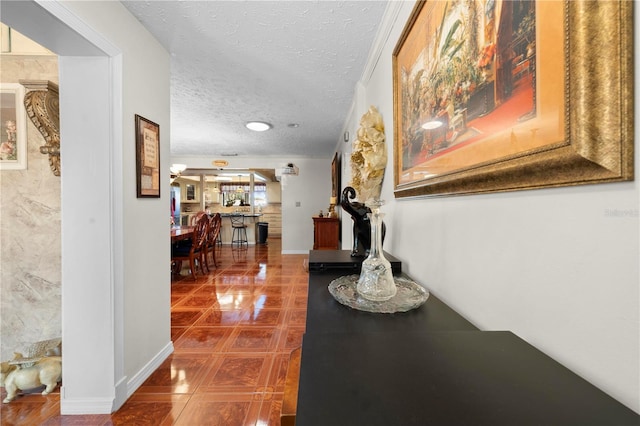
<point>263,232</point>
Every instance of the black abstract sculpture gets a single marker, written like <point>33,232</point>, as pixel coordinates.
<point>361,222</point>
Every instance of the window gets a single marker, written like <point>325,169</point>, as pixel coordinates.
<point>231,196</point>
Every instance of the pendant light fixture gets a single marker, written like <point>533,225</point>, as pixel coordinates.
<point>239,190</point>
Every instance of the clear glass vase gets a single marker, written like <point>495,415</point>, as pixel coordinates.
<point>376,279</point>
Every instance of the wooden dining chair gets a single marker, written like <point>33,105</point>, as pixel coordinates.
<point>192,223</point>
<point>196,217</point>
<point>193,252</point>
<point>215,223</point>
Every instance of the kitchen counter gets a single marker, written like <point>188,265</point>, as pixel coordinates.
<point>251,220</point>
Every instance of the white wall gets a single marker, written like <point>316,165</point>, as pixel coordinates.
<point>552,265</point>
<point>311,188</point>
<point>115,298</point>
<point>303,197</point>
<point>139,248</point>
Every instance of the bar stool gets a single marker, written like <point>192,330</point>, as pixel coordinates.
<point>239,235</point>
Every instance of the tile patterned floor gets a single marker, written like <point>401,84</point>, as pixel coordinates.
<point>233,330</point>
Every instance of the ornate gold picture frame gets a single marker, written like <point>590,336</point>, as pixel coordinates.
<point>578,59</point>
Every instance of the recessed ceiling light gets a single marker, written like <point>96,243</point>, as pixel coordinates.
<point>258,126</point>
<point>293,125</point>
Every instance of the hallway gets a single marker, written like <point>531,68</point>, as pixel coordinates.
<point>233,330</point>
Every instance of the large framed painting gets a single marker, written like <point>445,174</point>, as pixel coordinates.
<point>499,95</point>
<point>147,158</point>
<point>13,123</point>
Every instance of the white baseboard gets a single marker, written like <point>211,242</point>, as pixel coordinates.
<point>121,394</point>
<point>123,390</point>
<point>84,405</point>
<point>144,373</point>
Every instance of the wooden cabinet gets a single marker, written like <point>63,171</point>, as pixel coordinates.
<point>326,233</point>
<point>189,189</point>
<point>274,219</point>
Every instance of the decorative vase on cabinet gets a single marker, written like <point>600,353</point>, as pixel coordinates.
<point>376,281</point>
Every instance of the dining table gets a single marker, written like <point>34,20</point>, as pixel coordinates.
<point>179,233</point>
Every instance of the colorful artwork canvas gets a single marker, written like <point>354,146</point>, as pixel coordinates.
<point>13,150</point>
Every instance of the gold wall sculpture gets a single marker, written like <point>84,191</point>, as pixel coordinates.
<point>42,104</point>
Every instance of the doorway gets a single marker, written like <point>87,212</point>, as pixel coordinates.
<point>92,289</point>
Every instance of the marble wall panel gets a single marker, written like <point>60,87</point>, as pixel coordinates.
<point>30,233</point>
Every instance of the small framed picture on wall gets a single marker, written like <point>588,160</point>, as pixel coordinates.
<point>13,123</point>
<point>147,158</point>
<point>335,177</point>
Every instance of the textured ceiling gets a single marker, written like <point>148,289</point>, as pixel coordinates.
<point>277,61</point>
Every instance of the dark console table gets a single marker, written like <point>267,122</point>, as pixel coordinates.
<point>432,366</point>
<point>444,378</point>
<point>325,315</point>
<point>341,260</point>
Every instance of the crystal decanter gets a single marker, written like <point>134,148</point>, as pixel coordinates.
<point>376,279</point>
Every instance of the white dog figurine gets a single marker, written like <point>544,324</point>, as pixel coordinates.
<point>46,371</point>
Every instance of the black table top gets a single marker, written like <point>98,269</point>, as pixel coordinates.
<point>326,315</point>
<point>443,378</point>
<point>341,260</point>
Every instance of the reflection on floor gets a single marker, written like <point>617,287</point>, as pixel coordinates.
<point>233,331</point>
